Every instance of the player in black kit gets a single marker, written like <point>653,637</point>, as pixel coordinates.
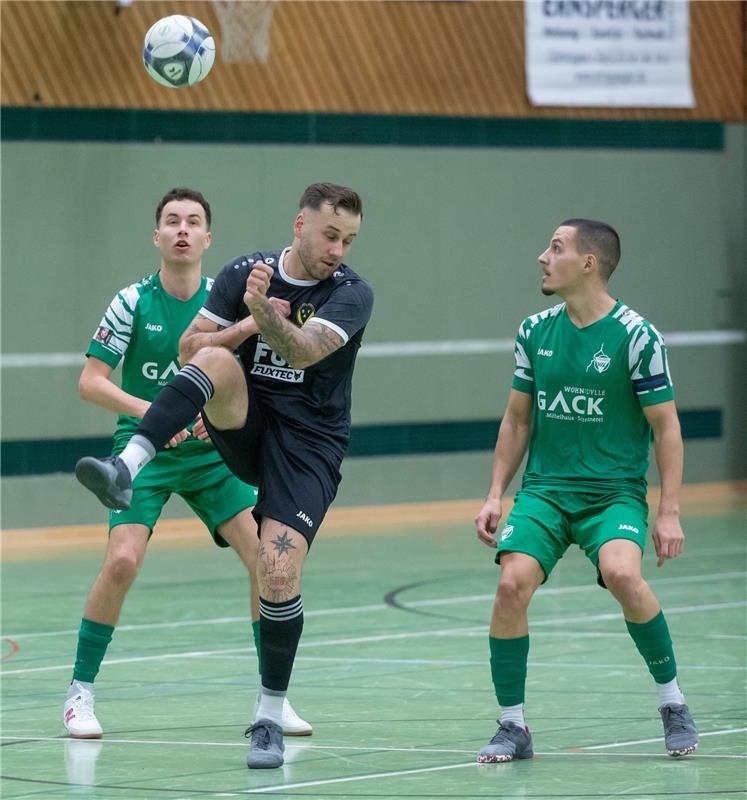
<point>280,415</point>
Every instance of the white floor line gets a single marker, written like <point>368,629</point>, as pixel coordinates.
<point>409,635</point>
<point>725,732</point>
<point>590,750</point>
<point>354,778</point>
<point>378,607</point>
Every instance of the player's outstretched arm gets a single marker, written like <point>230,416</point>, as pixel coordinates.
<point>513,438</point>
<point>300,347</point>
<point>668,537</point>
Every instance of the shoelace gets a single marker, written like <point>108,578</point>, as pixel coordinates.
<point>501,735</point>
<point>84,706</point>
<point>255,732</point>
<point>676,720</point>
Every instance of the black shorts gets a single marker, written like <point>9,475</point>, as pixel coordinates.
<point>297,474</point>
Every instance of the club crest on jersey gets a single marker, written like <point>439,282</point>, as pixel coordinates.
<point>600,361</point>
<point>103,334</point>
<point>304,313</point>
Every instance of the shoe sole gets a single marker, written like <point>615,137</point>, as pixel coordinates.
<point>85,735</point>
<point>502,759</point>
<point>683,751</point>
<point>303,732</point>
<point>264,766</point>
<point>89,474</point>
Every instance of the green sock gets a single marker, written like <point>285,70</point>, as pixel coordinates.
<point>508,665</point>
<point>255,631</point>
<point>655,645</point>
<point>93,639</point>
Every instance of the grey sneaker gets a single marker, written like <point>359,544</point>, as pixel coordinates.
<point>266,749</point>
<point>510,741</point>
<point>108,478</point>
<point>680,733</point>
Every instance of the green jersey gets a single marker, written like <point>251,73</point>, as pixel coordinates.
<point>589,386</point>
<point>141,328</point>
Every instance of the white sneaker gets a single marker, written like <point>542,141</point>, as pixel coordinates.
<point>293,725</point>
<point>79,717</point>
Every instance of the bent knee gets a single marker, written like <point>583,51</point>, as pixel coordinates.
<point>514,590</point>
<point>279,578</point>
<point>621,578</point>
<point>122,567</point>
<point>212,356</point>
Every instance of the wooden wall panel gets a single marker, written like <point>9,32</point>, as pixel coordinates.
<point>361,56</point>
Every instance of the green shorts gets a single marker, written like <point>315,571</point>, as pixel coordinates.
<point>544,524</point>
<point>210,489</point>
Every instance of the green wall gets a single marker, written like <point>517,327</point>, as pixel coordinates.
<point>449,241</point>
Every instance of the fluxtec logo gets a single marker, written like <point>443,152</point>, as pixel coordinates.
<point>573,403</point>
<point>506,532</point>
<point>269,364</point>
<point>153,371</point>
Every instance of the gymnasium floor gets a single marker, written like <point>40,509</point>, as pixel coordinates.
<point>392,669</point>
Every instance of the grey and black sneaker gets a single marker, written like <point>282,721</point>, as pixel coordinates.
<point>266,749</point>
<point>680,733</point>
<point>510,741</point>
<point>108,478</point>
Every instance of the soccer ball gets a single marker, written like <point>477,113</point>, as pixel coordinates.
<point>178,51</point>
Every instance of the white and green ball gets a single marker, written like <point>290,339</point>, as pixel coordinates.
<point>178,51</point>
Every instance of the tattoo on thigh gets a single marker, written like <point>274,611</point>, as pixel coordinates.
<point>283,543</point>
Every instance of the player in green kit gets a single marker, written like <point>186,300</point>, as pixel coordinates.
<point>591,385</point>
<point>141,328</point>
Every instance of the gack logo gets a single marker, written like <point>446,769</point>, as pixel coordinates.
<point>152,371</point>
<point>577,403</point>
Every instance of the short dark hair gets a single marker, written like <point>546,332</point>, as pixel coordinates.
<point>182,193</point>
<point>337,196</point>
<point>598,238</point>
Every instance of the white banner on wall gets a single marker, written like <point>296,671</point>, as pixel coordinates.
<point>608,53</point>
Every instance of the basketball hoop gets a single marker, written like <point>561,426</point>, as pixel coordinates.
<point>245,29</point>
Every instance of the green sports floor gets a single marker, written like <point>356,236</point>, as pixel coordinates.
<point>392,672</point>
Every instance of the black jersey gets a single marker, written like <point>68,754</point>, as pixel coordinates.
<point>315,399</point>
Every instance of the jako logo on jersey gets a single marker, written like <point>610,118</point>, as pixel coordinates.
<point>546,353</point>
<point>304,313</point>
<point>581,404</point>
<point>600,361</point>
<point>631,528</point>
<point>305,519</point>
<point>270,365</point>
<point>152,371</point>
<point>506,532</point>
<point>151,327</point>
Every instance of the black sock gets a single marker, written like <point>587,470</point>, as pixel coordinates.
<point>280,626</point>
<point>176,405</point>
